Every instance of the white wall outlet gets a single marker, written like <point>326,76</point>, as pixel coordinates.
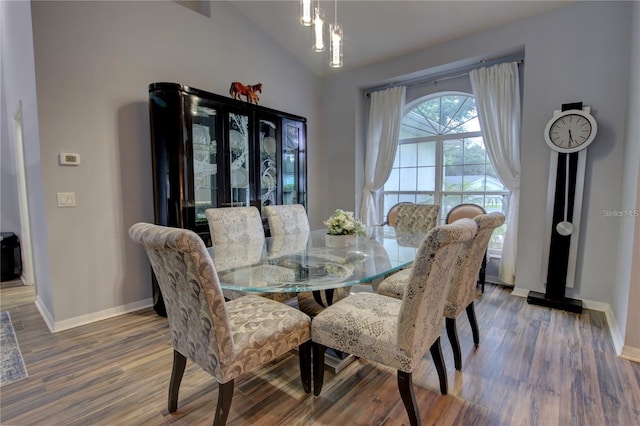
<point>69,159</point>
<point>66,199</point>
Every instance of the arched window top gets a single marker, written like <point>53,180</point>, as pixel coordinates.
<point>444,114</point>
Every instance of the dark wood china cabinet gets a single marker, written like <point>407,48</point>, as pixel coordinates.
<point>210,151</point>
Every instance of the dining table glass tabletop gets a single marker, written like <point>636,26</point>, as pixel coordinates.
<point>304,262</point>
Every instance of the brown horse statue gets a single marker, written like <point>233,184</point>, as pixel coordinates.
<point>238,89</point>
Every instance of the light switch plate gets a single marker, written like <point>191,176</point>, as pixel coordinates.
<point>66,199</point>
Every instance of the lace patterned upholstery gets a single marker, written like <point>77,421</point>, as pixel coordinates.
<point>234,224</point>
<point>226,339</point>
<point>231,225</point>
<point>417,217</point>
<point>395,284</point>
<point>462,290</point>
<point>287,219</point>
<point>393,213</point>
<point>397,333</point>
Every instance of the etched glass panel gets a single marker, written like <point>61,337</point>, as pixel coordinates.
<point>268,162</point>
<point>239,159</point>
<point>290,165</point>
<point>205,168</point>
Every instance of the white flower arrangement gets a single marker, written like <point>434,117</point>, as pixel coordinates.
<point>343,223</point>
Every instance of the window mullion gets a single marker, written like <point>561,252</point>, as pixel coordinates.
<point>437,198</point>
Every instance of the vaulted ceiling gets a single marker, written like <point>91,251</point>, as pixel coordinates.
<point>380,30</point>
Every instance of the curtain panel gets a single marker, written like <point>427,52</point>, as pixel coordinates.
<point>497,93</point>
<point>385,117</point>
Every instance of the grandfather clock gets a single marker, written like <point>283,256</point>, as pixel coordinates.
<point>568,134</point>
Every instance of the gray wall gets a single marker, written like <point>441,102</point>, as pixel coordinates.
<point>577,53</point>
<point>94,62</point>
<point>627,290</point>
<point>19,87</point>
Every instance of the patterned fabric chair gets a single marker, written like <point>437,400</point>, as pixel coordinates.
<point>392,214</point>
<point>470,211</point>
<point>234,224</point>
<point>462,290</point>
<point>417,217</point>
<point>292,221</point>
<point>287,219</point>
<point>224,339</point>
<point>239,225</point>
<point>393,332</point>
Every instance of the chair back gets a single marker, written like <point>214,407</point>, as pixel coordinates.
<point>462,290</point>
<point>234,224</point>
<point>417,217</point>
<point>196,311</point>
<point>420,321</point>
<point>467,210</point>
<point>287,219</point>
<point>288,244</point>
<point>393,213</point>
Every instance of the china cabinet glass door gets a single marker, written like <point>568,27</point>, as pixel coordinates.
<point>292,163</point>
<point>239,170</point>
<point>268,134</point>
<point>205,162</point>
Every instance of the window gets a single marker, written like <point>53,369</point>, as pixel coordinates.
<point>441,159</point>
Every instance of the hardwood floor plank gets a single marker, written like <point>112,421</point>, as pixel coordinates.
<point>534,366</point>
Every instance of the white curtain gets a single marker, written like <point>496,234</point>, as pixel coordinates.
<point>385,117</point>
<point>497,93</point>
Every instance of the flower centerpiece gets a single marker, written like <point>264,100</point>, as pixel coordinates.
<point>343,229</point>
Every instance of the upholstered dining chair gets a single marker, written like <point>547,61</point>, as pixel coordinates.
<point>416,217</point>
<point>239,225</point>
<point>287,219</point>
<point>234,224</point>
<point>392,213</point>
<point>292,221</point>
<point>393,332</point>
<point>470,211</point>
<point>462,290</point>
<point>226,339</point>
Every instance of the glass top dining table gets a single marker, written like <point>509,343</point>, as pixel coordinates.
<point>304,262</point>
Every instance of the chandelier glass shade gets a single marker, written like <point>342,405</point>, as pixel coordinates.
<point>305,13</point>
<point>311,15</point>
<point>318,30</point>
<point>335,46</point>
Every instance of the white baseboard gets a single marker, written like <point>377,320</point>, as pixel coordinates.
<point>614,330</point>
<point>631,354</point>
<point>520,292</point>
<point>44,313</point>
<point>55,326</point>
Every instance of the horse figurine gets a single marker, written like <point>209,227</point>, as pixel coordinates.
<point>238,89</point>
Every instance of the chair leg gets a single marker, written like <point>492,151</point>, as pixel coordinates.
<point>225,394</point>
<point>471,314</point>
<point>304,353</point>
<point>318,367</point>
<point>405,386</point>
<point>452,333</point>
<point>438,361</point>
<point>179,363</point>
<point>483,273</point>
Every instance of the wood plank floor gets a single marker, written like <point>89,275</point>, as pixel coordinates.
<point>534,366</point>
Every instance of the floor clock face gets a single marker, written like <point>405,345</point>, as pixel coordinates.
<point>570,131</point>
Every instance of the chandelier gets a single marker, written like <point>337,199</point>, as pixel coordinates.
<point>314,17</point>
